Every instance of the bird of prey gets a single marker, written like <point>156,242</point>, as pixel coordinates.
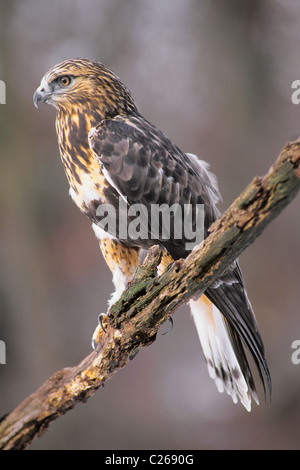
<point>114,157</point>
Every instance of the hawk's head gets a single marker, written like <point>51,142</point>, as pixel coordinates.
<point>84,83</point>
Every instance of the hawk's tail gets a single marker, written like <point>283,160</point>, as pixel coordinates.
<point>224,353</point>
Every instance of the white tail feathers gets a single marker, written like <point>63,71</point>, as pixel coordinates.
<point>222,362</point>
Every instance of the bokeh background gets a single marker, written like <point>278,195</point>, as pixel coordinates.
<point>216,77</point>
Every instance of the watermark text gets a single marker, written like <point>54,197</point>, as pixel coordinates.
<point>2,92</point>
<point>296,94</point>
<point>296,354</point>
<point>155,222</point>
<point>2,352</point>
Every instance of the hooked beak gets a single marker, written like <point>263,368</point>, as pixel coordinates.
<point>38,96</point>
<point>42,93</point>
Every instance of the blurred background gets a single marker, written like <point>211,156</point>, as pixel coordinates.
<point>216,77</point>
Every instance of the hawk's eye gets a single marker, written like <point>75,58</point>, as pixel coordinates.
<point>64,81</point>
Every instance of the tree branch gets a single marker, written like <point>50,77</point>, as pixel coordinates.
<point>150,300</point>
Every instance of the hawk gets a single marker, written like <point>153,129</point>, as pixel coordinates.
<point>114,157</point>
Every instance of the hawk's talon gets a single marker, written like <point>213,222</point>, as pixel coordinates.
<point>133,354</point>
<point>170,327</point>
<point>100,316</point>
<point>99,331</point>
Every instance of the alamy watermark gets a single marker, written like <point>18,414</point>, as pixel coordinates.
<point>2,352</point>
<point>2,92</point>
<point>296,354</point>
<point>155,222</point>
<point>296,94</point>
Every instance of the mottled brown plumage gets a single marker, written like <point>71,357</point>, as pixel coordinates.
<point>111,153</point>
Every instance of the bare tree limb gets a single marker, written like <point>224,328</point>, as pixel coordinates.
<point>151,299</point>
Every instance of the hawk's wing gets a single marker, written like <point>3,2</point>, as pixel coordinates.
<point>145,167</point>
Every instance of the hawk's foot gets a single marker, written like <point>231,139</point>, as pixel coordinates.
<point>100,330</point>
